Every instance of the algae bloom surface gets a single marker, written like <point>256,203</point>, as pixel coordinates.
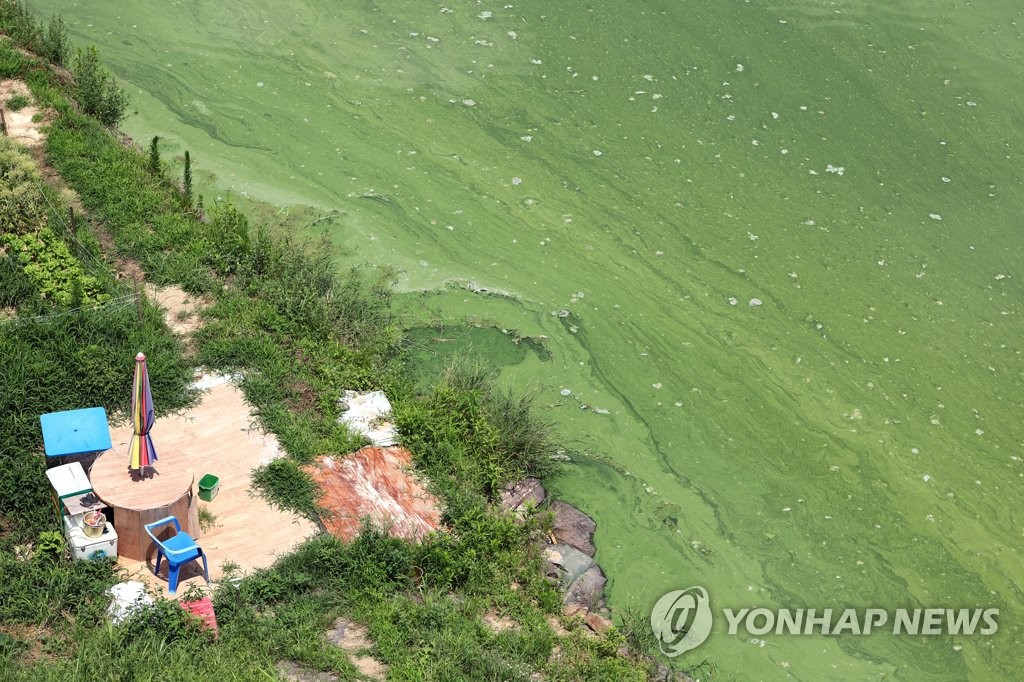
<point>770,254</point>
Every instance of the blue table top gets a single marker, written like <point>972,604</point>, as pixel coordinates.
<point>75,432</point>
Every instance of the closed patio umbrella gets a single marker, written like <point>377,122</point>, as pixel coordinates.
<point>141,452</point>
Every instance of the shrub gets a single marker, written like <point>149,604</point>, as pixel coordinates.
<point>471,437</point>
<point>227,237</point>
<point>154,155</point>
<point>17,21</point>
<point>186,182</point>
<point>96,89</point>
<point>55,43</point>
<point>12,64</point>
<point>22,203</point>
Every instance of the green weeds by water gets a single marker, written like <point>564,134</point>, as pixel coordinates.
<point>472,438</point>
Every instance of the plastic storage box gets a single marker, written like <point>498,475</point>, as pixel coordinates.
<point>85,547</point>
<point>209,485</point>
<point>72,492</point>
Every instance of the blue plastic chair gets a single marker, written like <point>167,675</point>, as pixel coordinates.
<point>179,549</point>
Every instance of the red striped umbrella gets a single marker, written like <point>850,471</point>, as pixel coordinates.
<point>141,451</point>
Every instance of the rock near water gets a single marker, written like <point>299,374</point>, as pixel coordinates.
<point>573,527</point>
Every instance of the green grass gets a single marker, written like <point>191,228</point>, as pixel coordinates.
<point>18,102</point>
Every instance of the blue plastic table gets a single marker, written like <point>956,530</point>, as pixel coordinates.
<point>75,432</point>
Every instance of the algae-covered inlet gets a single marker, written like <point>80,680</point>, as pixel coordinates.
<point>773,253</point>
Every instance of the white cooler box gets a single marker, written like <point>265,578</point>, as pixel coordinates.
<point>85,547</point>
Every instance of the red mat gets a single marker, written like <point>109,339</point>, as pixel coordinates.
<point>204,609</point>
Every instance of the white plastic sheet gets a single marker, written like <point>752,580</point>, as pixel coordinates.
<point>128,597</point>
<point>369,414</point>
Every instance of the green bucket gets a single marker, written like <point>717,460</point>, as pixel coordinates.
<point>208,486</point>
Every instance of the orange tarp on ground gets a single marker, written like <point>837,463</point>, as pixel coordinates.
<point>376,483</point>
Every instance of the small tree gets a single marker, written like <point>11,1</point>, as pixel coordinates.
<point>114,103</point>
<point>55,42</point>
<point>154,155</point>
<point>186,197</point>
<point>96,89</point>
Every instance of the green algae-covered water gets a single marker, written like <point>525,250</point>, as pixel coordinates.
<point>769,257</point>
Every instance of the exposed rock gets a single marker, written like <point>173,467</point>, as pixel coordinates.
<point>666,674</point>
<point>581,580</point>
<point>588,588</point>
<point>556,626</point>
<point>370,667</point>
<point>597,623</point>
<point>573,527</point>
<point>569,562</point>
<point>377,483</point>
<point>349,636</point>
<point>570,610</point>
<point>526,493</point>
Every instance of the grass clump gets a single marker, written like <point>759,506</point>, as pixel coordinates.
<point>18,102</point>
<point>285,485</point>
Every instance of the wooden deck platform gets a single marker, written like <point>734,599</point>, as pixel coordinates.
<point>218,438</point>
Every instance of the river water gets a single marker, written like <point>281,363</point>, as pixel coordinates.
<point>770,255</point>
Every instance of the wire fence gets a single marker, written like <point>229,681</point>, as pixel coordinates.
<point>111,305</point>
<point>70,231</point>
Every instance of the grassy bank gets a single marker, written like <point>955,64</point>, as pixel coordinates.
<point>298,332</point>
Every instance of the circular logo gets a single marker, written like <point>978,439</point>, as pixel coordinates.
<point>681,620</point>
